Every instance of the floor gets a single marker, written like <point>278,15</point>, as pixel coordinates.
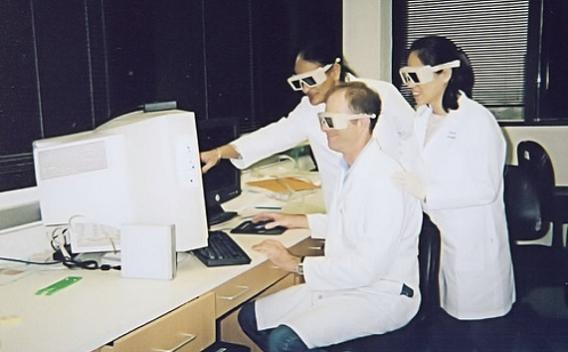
<point>546,319</point>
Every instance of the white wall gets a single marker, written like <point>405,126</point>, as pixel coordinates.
<point>367,45</point>
<point>367,37</point>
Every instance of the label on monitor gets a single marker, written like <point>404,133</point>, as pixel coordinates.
<point>58,162</point>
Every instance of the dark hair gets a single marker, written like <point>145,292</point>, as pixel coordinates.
<point>436,50</point>
<point>361,99</point>
<point>324,53</point>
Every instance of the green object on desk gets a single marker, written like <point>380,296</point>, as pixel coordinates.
<point>51,289</point>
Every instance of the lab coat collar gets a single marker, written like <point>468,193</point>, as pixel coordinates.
<point>424,114</point>
<point>372,143</point>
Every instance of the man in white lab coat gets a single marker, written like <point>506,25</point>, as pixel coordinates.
<point>367,280</point>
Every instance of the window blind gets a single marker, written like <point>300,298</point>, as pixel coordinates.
<point>493,33</point>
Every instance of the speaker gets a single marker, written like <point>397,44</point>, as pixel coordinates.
<point>148,251</point>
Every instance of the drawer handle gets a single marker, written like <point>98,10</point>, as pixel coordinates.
<point>190,337</point>
<point>243,288</point>
<point>315,248</point>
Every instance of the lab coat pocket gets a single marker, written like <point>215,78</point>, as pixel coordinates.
<point>464,247</point>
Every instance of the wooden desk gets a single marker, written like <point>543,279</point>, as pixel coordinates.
<point>103,308</point>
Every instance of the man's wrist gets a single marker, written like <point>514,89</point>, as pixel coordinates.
<point>300,266</point>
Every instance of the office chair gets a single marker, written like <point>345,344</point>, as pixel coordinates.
<point>538,268</point>
<point>539,265</point>
<point>414,336</point>
<point>536,161</point>
<point>533,264</point>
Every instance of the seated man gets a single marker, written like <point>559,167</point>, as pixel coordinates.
<point>367,280</point>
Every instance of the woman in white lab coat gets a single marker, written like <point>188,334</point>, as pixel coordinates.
<point>459,177</point>
<point>318,68</point>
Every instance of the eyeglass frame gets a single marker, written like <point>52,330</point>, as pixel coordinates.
<point>424,74</point>
<point>319,75</point>
<point>326,117</point>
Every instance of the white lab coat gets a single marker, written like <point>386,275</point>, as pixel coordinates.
<point>371,250</point>
<point>394,125</point>
<point>462,166</point>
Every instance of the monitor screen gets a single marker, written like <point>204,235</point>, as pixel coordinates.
<point>222,182</point>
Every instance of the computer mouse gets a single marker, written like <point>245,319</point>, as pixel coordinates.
<point>258,228</point>
<point>261,225</point>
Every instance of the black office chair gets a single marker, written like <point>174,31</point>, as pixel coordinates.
<point>536,267</point>
<point>414,336</point>
<point>536,161</point>
<point>533,264</point>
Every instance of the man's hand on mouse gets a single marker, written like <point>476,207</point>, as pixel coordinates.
<point>291,221</point>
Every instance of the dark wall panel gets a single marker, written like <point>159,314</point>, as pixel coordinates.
<point>129,36</point>
<point>19,108</point>
<point>62,53</point>
<point>228,59</point>
<point>179,54</point>
<point>98,70</point>
<point>554,71</point>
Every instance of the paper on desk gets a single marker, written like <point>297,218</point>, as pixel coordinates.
<point>283,184</point>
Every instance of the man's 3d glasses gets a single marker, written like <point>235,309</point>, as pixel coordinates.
<point>424,74</point>
<point>310,79</point>
<point>339,121</point>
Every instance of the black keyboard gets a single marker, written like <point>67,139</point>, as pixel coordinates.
<point>249,227</point>
<point>221,250</point>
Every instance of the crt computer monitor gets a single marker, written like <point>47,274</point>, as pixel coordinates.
<point>222,182</point>
<point>139,168</point>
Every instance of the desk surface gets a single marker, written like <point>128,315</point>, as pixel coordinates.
<point>103,306</point>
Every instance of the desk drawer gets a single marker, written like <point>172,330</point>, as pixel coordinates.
<point>189,328</point>
<point>229,328</point>
<point>243,287</point>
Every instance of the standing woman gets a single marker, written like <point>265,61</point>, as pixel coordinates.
<point>317,69</point>
<point>458,175</point>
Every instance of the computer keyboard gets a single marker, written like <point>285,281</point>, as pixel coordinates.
<point>221,250</point>
<point>257,228</point>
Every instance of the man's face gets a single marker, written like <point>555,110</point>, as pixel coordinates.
<point>340,140</point>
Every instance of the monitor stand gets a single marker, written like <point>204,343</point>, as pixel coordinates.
<point>216,215</point>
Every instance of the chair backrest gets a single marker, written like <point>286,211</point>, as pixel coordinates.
<point>523,205</point>
<point>535,160</point>
<point>429,265</point>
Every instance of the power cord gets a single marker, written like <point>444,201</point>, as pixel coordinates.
<point>63,254</point>
<point>28,261</point>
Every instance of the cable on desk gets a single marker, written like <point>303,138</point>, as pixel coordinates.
<point>28,261</point>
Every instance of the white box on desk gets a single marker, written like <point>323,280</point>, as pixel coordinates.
<point>148,251</point>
